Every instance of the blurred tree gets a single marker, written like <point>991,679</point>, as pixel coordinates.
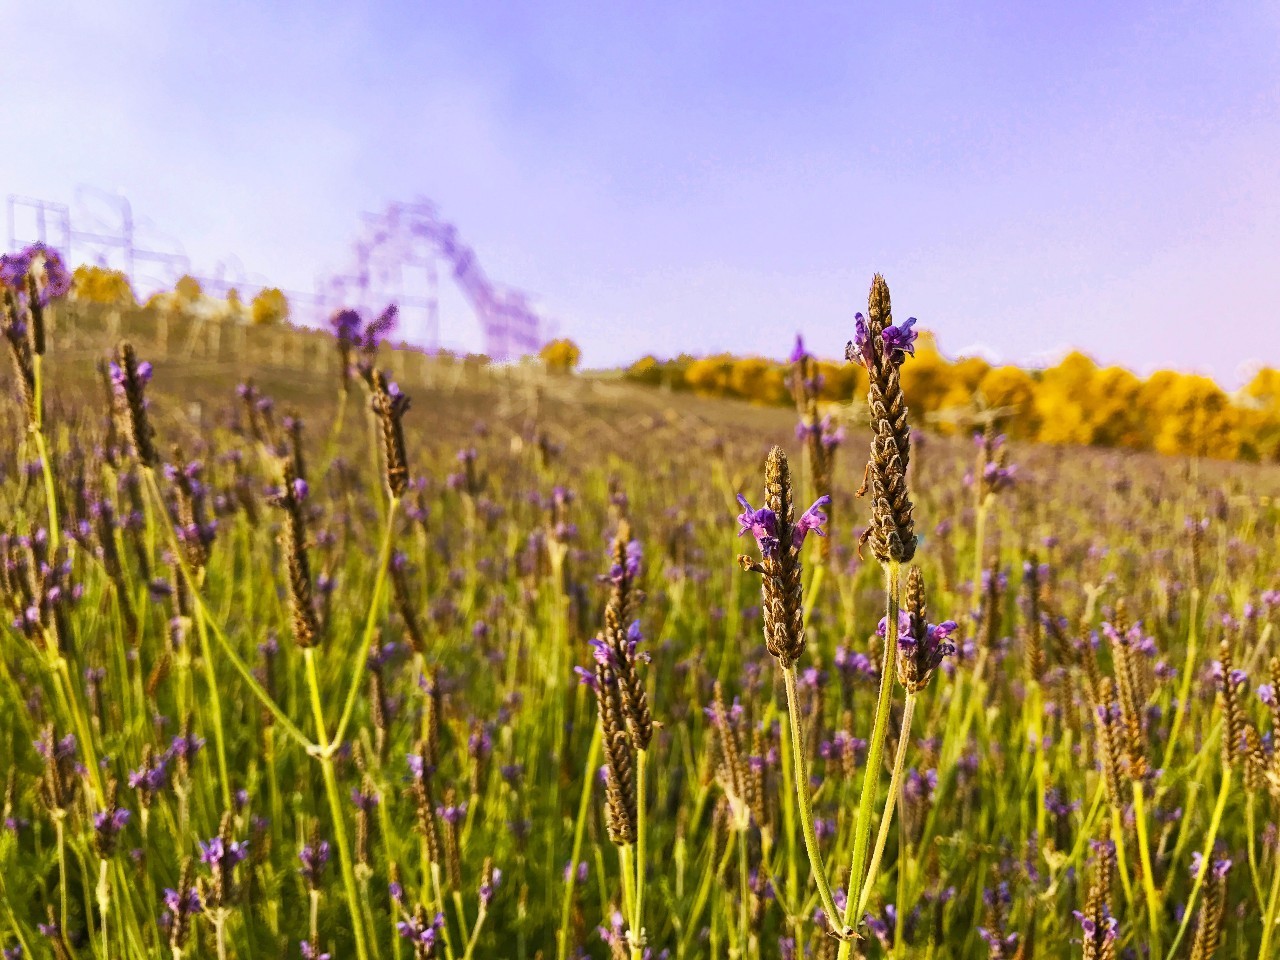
<point>1193,416</point>
<point>709,376</point>
<point>1062,393</point>
<point>645,370</point>
<point>1114,410</point>
<point>188,289</point>
<point>1264,388</point>
<point>1013,388</point>
<point>94,284</point>
<point>561,356</point>
<point>269,307</point>
<point>758,380</point>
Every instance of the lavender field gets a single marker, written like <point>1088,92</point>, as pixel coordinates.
<point>502,664</point>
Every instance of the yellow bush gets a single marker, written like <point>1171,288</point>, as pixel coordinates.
<point>561,356</point>
<point>93,284</point>
<point>270,306</point>
<point>758,380</point>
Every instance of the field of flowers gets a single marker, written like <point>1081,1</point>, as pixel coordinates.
<point>514,667</point>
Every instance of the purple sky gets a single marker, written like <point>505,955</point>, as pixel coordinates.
<point>689,176</point>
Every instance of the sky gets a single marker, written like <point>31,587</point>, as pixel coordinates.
<point>698,177</point>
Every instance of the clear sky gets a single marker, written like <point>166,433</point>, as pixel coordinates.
<point>668,177</point>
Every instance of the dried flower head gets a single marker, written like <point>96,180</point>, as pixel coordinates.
<point>882,348</point>
<point>780,538</point>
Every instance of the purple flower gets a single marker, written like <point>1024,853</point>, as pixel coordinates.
<point>899,341</point>
<point>489,886</point>
<point>998,477</point>
<point>14,267</point>
<point>997,945</point>
<point>417,765</point>
<point>364,801</point>
<point>761,524</point>
<point>310,952</point>
<point>220,856</point>
<point>811,520</point>
<point>452,814</point>
<point>107,825</point>
<point>798,352</point>
<point>1090,927</point>
<point>313,857</point>
<point>1218,867</point>
<point>860,348</point>
<point>1267,694</point>
<point>185,902</point>
<point>151,777</point>
<point>416,930</point>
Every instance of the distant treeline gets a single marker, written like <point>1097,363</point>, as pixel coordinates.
<point>1074,402</point>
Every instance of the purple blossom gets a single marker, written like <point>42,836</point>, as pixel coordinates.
<point>997,945</point>
<point>489,886</point>
<point>415,930</point>
<point>313,857</point>
<point>1090,927</point>
<point>861,347</point>
<point>220,856</point>
<point>107,825</point>
<point>1218,867</point>
<point>798,352</point>
<point>899,341</point>
<point>151,777</point>
<point>453,813</point>
<point>811,520</point>
<point>761,524</point>
<point>185,902</point>
<point>186,747</point>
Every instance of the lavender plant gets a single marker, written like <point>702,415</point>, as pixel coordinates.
<point>275,685</point>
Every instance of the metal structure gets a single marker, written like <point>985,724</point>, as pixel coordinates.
<point>396,258</point>
<point>408,242</point>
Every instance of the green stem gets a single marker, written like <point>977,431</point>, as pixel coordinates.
<point>627,870</point>
<point>1205,856</point>
<point>371,621</point>
<point>1269,918</point>
<point>584,808</point>
<point>1184,689</point>
<point>215,701</point>
<point>62,869</point>
<point>104,903</point>
<point>1144,854</point>
<point>1122,861</point>
<point>895,785</point>
<point>475,933</point>
<point>871,775</point>
<point>198,601</point>
<point>1252,847</point>
<point>50,494</point>
<point>637,937</point>
<point>800,777</point>
<point>335,806</point>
